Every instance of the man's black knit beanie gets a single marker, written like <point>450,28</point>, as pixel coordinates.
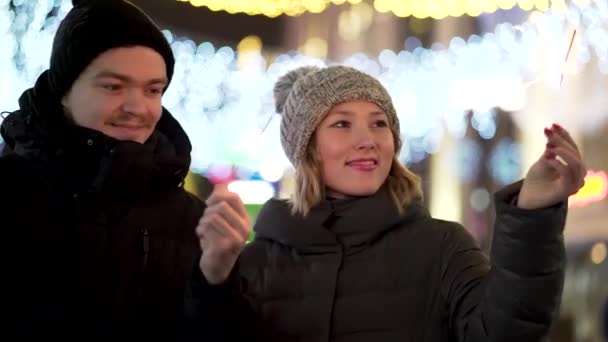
<point>95,26</point>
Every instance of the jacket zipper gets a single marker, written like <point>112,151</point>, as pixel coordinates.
<point>335,294</point>
<point>145,248</point>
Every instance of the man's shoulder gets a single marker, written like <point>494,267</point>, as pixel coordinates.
<point>177,201</point>
<point>19,177</point>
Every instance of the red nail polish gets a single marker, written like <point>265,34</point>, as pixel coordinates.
<point>548,132</point>
<point>550,145</point>
<point>557,127</point>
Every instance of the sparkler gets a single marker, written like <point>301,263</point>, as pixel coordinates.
<point>561,80</point>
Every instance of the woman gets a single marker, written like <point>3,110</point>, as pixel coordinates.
<point>355,257</point>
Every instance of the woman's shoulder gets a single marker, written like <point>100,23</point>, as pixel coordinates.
<point>438,231</point>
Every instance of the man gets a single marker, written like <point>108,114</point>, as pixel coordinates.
<point>98,229</point>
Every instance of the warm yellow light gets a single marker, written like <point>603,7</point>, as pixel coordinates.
<point>559,6</point>
<point>439,14</point>
<point>456,8</point>
<point>526,5</point>
<point>277,13</point>
<point>419,8</point>
<point>382,6</point>
<point>317,6</point>
<point>250,43</point>
<point>315,47</point>
<point>542,5</point>
<point>401,9</point>
<point>490,6</point>
<point>216,5</point>
<point>598,253</point>
<point>505,4</point>
<point>292,11</point>
<point>352,22</point>
<point>473,8</point>
<point>594,190</point>
<point>366,13</point>
<point>249,49</point>
<point>349,26</point>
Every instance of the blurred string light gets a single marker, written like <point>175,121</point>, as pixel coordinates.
<point>484,122</point>
<point>598,253</point>
<point>223,97</point>
<point>252,191</point>
<point>480,199</point>
<point>354,21</point>
<point>314,47</point>
<point>269,8</point>
<point>468,157</point>
<point>436,9</point>
<point>439,9</point>
<point>505,161</point>
<point>594,190</point>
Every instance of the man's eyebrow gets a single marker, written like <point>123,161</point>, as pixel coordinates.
<point>125,78</point>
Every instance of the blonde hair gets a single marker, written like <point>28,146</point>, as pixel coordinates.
<point>403,185</point>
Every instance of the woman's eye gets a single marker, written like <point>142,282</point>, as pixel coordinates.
<point>341,124</point>
<point>381,123</point>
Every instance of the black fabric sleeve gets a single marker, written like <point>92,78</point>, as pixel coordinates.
<point>516,296</point>
<point>219,312</point>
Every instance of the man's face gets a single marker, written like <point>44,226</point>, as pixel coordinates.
<point>119,93</point>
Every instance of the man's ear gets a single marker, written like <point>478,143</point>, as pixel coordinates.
<point>66,109</point>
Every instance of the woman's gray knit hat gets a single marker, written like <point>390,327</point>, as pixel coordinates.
<point>305,95</point>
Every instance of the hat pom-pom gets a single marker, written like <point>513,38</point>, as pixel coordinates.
<point>285,84</point>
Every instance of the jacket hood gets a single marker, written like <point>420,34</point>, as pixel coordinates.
<point>352,223</point>
<point>40,131</point>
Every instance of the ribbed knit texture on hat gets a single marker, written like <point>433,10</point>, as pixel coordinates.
<point>305,95</point>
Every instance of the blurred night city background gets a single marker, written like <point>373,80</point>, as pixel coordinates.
<point>474,83</point>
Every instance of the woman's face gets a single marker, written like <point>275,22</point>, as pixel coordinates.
<point>355,149</point>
